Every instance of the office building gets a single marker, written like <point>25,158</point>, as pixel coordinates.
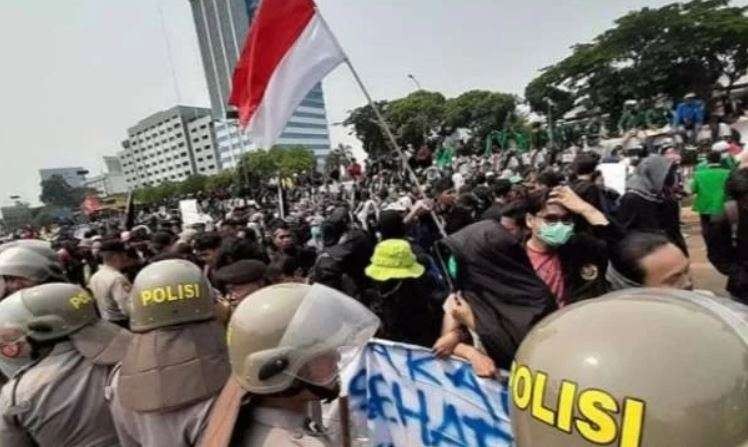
<point>222,26</point>
<point>110,182</point>
<point>169,146</point>
<point>75,177</point>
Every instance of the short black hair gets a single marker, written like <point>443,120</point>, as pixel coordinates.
<point>516,209</point>
<point>550,178</point>
<point>501,187</point>
<point>627,254</point>
<point>536,202</point>
<point>208,241</point>
<point>713,157</point>
<point>585,163</point>
<point>737,184</point>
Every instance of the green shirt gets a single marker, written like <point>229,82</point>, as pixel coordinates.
<point>709,186</point>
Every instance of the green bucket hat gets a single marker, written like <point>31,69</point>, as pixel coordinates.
<point>393,259</point>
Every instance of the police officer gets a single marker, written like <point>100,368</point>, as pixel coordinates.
<point>27,263</point>
<point>23,264</point>
<point>284,342</point>
<point>176,363</point>
<point>58,399</point>
<point>109,285</point>
<point>635,368</point>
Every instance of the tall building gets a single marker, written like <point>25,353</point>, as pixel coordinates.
<point>74,177</point>
<point>222,26</point>
<point>110,182</point>
<point>170,146</point>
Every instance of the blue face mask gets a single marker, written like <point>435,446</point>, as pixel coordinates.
<point>556,234</point>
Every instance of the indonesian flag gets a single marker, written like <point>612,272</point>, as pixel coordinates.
<point>288,50</point>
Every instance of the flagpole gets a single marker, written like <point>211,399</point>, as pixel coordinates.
<point>382,123</point>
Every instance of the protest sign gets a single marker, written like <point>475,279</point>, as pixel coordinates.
<point>191,213</point>
<point>405,396</point>
<point>614,176</point>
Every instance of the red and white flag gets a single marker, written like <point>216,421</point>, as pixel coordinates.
<point>288,50</point>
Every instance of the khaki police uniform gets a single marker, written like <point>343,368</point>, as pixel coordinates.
<point>58,402</point>
<point>177,360</point>
<point>111,290</point>
<point>136,429</point>
<point>273,427</point>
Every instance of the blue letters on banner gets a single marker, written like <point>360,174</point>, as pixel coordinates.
<point>407,397</point>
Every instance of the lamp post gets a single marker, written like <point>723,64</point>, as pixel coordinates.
<point>415,81</point>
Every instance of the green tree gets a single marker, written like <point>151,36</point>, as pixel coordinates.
<point>480,111</point>
<point>57,192</point>
<point>416,116</point>
<point>337,157</point>
<point>678,48</point>
<point>192,184</point>
<point>367,129</point>
<point>222,180</point>
<point>261,165</point>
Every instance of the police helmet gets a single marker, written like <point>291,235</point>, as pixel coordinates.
<point>638,367</point>
<point>290,332</point>
<point>167,293</point>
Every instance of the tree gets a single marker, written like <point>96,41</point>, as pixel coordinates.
<point>480,111</point>
<point>421,115</point>
<point>339,156</point>
<point>678,48</point>
<point>416,116</point>
<point>192,184</point>
<point>222,180</point>
<point>260,166</point>
<point>367,128</point>
<point>57,192</point>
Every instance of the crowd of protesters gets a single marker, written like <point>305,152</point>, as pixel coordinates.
<point>465,262</point>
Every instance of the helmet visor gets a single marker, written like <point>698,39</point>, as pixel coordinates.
<point>327,331</point>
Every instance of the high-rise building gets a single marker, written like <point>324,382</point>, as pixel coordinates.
<point>74,177</point>
<point>222,26</point>
<point>170,146</point>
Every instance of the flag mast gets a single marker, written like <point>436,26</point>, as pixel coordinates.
<point>382,123</point>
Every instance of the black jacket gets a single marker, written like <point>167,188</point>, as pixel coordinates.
<point>410,309</point>
<point>500,285</point>
<point>729,254</point>
<point>639,214</point>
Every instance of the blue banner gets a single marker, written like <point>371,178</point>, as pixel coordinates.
<point>405,396</point>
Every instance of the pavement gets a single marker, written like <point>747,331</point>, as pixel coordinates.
<point>705,276</point>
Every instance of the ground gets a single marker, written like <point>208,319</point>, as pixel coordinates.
<point>705,276</point>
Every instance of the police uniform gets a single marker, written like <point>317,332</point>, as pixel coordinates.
<point>111,290</point>
<point>280,346</point>
<point>137,429</point>
<point>177,360</point>
<point>57,402</point>
<point>272,427</point>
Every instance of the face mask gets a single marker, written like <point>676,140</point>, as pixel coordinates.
<point>557,234</point>
<point>316,233</point>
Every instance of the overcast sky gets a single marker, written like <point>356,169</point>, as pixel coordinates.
<point>75,74</point>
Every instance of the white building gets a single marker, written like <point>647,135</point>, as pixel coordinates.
<point>170,146</point>
<point>110,182</point>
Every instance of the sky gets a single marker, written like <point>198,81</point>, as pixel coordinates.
<point>75,74</point>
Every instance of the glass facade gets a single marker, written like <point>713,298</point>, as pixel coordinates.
<point>222,26</point>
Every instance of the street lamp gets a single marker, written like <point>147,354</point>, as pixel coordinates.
<point>415,81</point>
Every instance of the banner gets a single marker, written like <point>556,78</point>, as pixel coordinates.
<point>191,213</point>
<point>405,396</point>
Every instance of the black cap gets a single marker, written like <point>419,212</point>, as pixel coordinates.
<point>241,272</point>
